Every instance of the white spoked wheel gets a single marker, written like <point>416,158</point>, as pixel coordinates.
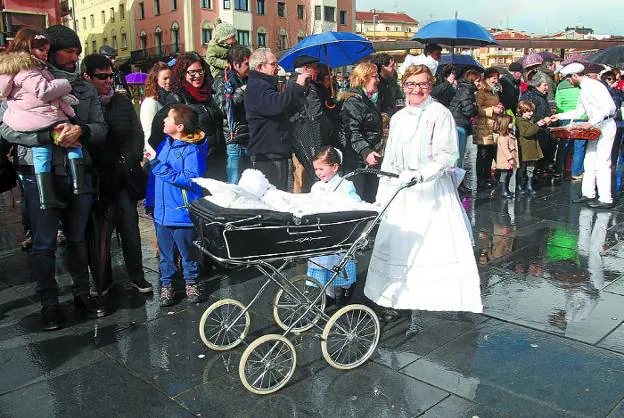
<point>267,364</point>
<point>350,336</point>
<point>288,309</point>
<point>218,328</point>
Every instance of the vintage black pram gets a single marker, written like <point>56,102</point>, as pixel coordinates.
<point>270,241</point>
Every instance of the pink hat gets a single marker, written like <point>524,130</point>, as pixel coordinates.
<point>532,60</point>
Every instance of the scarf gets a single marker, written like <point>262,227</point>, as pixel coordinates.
<point>106,98</point>
<point>162,95</point>
<point>200,94</point>
<point>373,97</point>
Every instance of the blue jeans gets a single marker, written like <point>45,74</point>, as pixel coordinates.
<point>237,161</point>
<point>42,157</point>
<point>578,156</point>
<point>168,237</point>
<point>462,138</point>
<point>45,224</point>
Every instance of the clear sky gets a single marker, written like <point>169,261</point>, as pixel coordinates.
<point>537,16</point>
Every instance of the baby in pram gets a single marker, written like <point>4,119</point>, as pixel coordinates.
<point>326,166</point>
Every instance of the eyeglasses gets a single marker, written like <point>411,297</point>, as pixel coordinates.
<point>193,73</point>
<point>270,64</point>
<point>103,76</point>
<point>609,79</point>
<point>412,84</point>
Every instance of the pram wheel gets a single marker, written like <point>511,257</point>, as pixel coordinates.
<point>217,327</point>
<point>350,336</point>
<point>267,364</point>
<point>287,309</point>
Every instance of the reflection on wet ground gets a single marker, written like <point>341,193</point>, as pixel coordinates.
<point>550,343</point>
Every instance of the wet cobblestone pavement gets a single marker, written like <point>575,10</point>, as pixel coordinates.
<point>549,344</point>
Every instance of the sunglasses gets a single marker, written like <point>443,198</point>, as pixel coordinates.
<point>103,76</point>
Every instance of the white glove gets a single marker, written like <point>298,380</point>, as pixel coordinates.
<point>408,175</point>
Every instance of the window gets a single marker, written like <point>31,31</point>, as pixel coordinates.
<point>114,38</point>
<point>93,46</point>
<point>206,35</point>
<point>112,13</point>
<point>300,38</point>
<point>282,42</point>
<point>175,37</point>
<point>104,40</point>
<point>143,39</point>
<point>206,4</point>
<point>174,4</point>
<point>387,28</point>
<point>141,11</point>
<point>261,39</point>
<point>330,14</point>
<point>124,39</point>
<point>156,7</point>
<point>103,17</point>
<point>300,11</point>
<point>242,5</point>
<point>158,40</point>
<point>343,17</point>
<point>122,12</point>
<point>92,21</point>
<point>242,36</point>
<point>260,7</point>
<point>281,9</point>
<point>226,4</point>
<point>76,25</point>
<point>317,12</point>
<point>84,23</point>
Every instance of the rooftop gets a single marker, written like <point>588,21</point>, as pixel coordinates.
<point>382,16</point>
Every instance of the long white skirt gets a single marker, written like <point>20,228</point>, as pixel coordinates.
<point>423,256</point>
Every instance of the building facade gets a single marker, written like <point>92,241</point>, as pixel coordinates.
<point>378,25</point>
<point>498,56</point>
<point>15,14</point>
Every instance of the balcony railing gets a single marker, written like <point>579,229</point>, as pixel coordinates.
<point>156,52</point>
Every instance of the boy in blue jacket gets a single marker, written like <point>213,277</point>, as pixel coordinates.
<point>182,158</point>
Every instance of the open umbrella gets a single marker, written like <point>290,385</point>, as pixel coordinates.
<point>612,56</point>
<point>549,56</point>
<point>574,58</point>
<point>461,62</point>
<point>136,78</point>
<point>335,49</point>
<point>454,32</point>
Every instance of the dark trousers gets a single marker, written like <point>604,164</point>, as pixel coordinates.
<point>485,156</point>
<point>276,171</point>
<point>44,224</point>
<point>366,186</point>
<point>120,212</point>
<point>170,237</point>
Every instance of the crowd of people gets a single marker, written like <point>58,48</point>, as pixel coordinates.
<point>87,159</point>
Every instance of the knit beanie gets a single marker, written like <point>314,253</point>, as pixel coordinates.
<point>223,31</point>
<point>62,37</point>
<point>538,79</point>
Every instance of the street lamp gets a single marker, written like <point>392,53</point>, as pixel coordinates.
<point>375,15</point>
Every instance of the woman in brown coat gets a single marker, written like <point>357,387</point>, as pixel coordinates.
<point>488,107</point>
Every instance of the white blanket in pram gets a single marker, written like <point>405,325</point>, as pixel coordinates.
<point>255,192</point>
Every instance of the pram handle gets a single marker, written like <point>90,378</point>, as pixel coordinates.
<point>378,173</point>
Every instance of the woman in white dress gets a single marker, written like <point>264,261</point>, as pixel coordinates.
<point>157,86</point>
<point>423,258</point>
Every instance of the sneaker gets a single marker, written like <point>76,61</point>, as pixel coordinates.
<point>51,318</point>
<point>192,293</point>
<point>28,240</point>
<point>166,296</point>
<point>142,285</point>
<point>90,307</point>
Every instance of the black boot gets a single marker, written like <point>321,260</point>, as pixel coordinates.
<point>503,187</point>
<point>47,194</point>
<point>520,181</point>
<point>79,176</point>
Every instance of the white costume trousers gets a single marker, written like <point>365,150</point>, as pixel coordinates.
<point>597,164</point>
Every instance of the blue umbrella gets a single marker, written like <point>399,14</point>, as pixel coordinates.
<point>454,32</point>
<point>460,60</point>
<point>335,49</point>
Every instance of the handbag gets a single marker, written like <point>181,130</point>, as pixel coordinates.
<point>8,175</point>
<point>307,137</point>
<point>132,177</point>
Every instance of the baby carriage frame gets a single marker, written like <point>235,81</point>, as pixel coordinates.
<point>349,336</point>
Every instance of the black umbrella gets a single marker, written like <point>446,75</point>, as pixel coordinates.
<point>612,56</point>
<point>98,236</point>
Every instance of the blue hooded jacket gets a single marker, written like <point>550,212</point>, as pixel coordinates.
<point>176,164</point>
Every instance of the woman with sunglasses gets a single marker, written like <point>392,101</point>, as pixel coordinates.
<point>191,84</point>
<point>362,127</point>
<point>116,206</point>
<point>423,259</point>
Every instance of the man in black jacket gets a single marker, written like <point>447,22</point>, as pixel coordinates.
<point>510,84</point>
<point>268,115</point>
<point>229,95</point>
<point>386,68</point>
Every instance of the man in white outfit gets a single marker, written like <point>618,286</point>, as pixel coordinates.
<point>597,103</point>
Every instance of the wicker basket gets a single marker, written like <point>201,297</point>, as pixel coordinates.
<point>576,132</point>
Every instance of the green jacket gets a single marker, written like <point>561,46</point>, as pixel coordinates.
<point>215,57</point>
<point>567,97</point>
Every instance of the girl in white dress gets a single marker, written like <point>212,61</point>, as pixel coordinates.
<point>423,258</point>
